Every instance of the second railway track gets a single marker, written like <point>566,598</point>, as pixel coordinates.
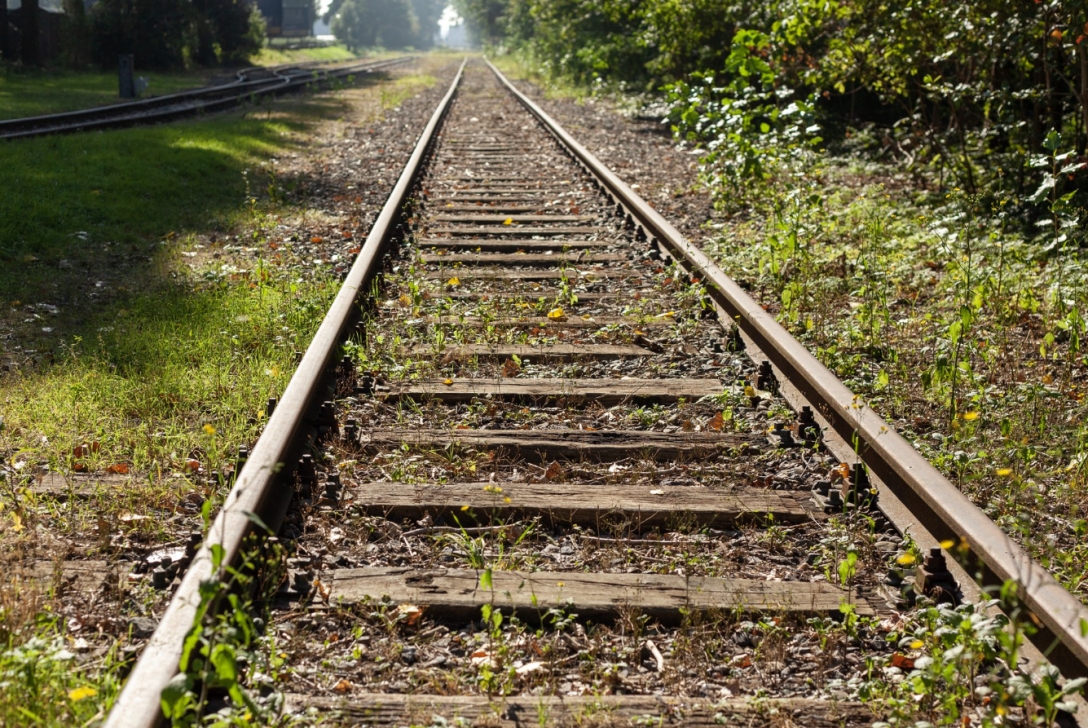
<point>555,410</point>
<point>251,84</point>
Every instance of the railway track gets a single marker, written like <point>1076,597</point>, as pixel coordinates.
<point>565,472</point>
<point>250,84</point>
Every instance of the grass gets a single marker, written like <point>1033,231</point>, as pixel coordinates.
<point>126,329</point>
<point>26,92</point>
<point>272,56</point>
<point>963,334</point>
<point>33,92</point>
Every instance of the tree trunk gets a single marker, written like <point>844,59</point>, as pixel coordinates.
<point>4,52</point>
<point>30,41</point>
<point>1082,54</point>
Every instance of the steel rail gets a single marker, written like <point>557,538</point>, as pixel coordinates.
<point>932,498</point>
<point>181,104</point>
<point>260,488</point>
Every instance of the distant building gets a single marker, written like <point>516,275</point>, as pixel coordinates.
<point>288,18</point>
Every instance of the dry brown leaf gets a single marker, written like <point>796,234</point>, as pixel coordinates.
<point>717,423</point>
<point>411,613</point>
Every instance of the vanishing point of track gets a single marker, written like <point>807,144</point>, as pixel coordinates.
<point>548,364</point>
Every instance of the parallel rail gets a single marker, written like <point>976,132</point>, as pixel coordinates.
<point>262,487</point>
<point>193,102</point>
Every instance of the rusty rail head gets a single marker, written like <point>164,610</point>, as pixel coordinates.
<point>258,490</point>
<point>936,502</point>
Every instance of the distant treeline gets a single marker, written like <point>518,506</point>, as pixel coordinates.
<point>977,88</point>
<point>162,34</point>
<point>387,23</point>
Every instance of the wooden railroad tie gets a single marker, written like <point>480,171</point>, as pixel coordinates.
<point>542,322</point>
<point>393,709</point>
<point>639,506</point>
<point>580,275</point>
<point>607,392</point>
<point>500,245</point>
<point>519,230</point>
<point>482,219</point>
<point>555,352</point>
<point>602,445</point>
<point>456,594</point>
<point>515,259</point>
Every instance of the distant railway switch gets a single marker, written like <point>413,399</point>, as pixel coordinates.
<point>126,78</point>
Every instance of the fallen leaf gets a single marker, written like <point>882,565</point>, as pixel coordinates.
<point>132,517</point>
<point>717,423</point>
<point>315,240</point>
<point>322,590</point>
<point>118,469</point>
<point>344,686</point>
<point>969,416</point>
<point>510,368</point>
<point>1004,472</point>
<point>906,559</point>
<point>30,258</point>
<point>480,656</point>
<point>529,667</point>
<point>411,613</point>
<point>404,300</point>
<point>192,465</point>
<point>17,522</point>
<point>448,382</point>
<point>902,661</point>
<point>508,221</point>
<point>553,471</point>
<point>453,282</point>
<point>556,314</point>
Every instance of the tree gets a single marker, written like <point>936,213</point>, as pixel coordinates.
<point>365,23</point>
<point>164,34</point>
<point>428,13</point>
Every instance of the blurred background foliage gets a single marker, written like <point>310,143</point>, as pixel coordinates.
<point>972,94</point>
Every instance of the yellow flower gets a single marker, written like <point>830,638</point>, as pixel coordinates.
<point>947,543</point>
<point>453,282</point>
<point>917,644</point>
<point>448,382</point>
<point>210,429</point>
<point>81,693</point>
<point>508,221</point>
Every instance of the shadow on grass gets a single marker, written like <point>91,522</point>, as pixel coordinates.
<point>88,208</point>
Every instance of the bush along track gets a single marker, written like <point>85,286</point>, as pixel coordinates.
<point>548,482</point>
<point>129,385</point>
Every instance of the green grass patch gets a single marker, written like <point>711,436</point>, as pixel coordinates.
<point>26,92</point>
<point>271,56</point>
<point>158,357</point>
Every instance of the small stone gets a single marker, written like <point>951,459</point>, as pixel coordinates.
<point>142,627</point>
